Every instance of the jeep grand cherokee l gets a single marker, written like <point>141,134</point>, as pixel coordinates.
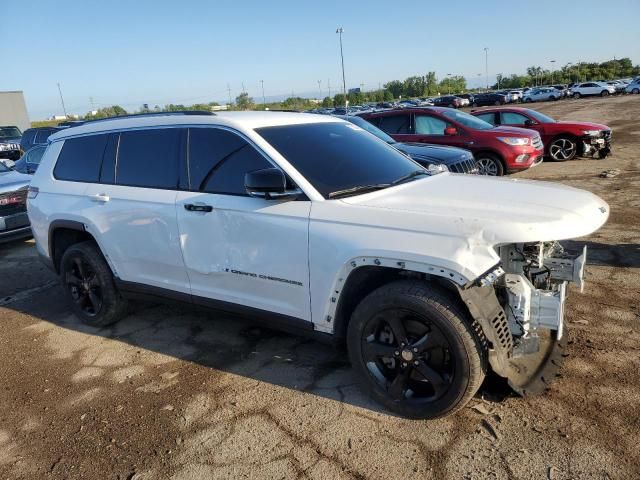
<point>562,140</point>
<point>309,222</point>
<point>497,150</point>
<point>10,142</point>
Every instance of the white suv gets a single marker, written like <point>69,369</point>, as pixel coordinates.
<point>309,222</point>
<point>592,88</point>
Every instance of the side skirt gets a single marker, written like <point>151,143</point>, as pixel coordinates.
<point>264,318</point>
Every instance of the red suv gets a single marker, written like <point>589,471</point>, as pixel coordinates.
<point>497,150</point>
<point>562,140</point>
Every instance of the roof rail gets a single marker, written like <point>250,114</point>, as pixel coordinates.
<point>154,114</point>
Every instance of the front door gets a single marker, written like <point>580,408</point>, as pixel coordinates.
<point>514,119</point>
<point>240,249</point>
<point>431,129</point>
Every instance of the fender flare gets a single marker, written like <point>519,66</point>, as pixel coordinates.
<point>68,224</point>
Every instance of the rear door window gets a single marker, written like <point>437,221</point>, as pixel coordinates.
<point>395,124</point>
<point>487,117</point>
<point>43,135</point>
<point>80,159</point>
<point>219,159</point>
<point>511,118</point>
<point>150,158</point>
<point>428,125</point>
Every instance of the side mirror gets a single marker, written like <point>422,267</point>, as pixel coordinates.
<point>450,131</point>
<point>528,122</point>
<point>268,183</point>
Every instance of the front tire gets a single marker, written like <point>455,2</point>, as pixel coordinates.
<point>576,95</point>
<point>489,165</point>
<point>635,91</point>
<point>89,285</point>
<point>604,93</point>
<point>419,355</point>
<point>562,149</point>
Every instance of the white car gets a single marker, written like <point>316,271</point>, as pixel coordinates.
<point>308,222</point>
<point>541,95</point>
<point>592,88</point>
<point>516,95</point>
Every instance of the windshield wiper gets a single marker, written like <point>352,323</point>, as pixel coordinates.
<point>409,176</point>
<point>358,189</point>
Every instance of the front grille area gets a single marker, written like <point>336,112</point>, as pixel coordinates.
<point>537,143</point>
<point>13,202</point>
<point>467,165</point>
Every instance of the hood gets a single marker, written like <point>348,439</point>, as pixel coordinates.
<point>10,139</point>
<point>524,132</point>
<point>12,180</point>
<point>485,210</point>
<point>585,125</point>
<point>435,153</point>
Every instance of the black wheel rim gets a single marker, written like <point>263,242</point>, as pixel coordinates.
<point>407,356</point>
<point>84,286</point>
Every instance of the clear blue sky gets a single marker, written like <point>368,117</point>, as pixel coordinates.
<point>142,51</point>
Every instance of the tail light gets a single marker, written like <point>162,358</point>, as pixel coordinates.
<point>32,192</point>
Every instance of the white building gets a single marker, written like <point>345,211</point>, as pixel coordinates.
<point>13,110</point>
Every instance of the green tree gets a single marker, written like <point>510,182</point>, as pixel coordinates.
<point>244,101</point>
<point>395,87</point>
<point>431,83</point>
<point>327,102</point>
<point>113,111</point>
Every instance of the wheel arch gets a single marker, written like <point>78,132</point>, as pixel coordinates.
<point>558,136</point>
<point>62,235</point>
<point>363,275</point>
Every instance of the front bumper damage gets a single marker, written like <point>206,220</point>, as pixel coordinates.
<point>596,146</point>
<point>520,307</point>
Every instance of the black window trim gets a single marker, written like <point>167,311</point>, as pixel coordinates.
<point>187,127</point>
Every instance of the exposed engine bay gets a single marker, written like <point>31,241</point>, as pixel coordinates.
<point>534,287</point>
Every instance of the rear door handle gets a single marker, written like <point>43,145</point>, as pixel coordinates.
<point>198,207</point>
<point>100,197</point>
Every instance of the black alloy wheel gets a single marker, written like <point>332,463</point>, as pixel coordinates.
<point>84,287</point>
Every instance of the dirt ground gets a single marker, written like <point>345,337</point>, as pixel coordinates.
<point>182,394</point>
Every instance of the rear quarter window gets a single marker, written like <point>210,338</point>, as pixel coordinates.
<point>80,159</point>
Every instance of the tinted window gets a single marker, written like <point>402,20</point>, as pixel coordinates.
<point>394,124</point>
<point>43,135</point>
<point>511,118</point>
<point>219,159</point>
<point>149,158</point>
<point>80,159</point>
<point>337,156</point>
<point>27,138</point>
<point>35,155</point>
<point>467,120</point>
<point>487,117</point>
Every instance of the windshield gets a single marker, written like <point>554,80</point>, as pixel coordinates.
<point>541,117</point>
<point>362,123</point>
<point>9,132</point>
<point>338,156</point>
<point>467,120</point>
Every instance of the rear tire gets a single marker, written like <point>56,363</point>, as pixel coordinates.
<point>576,95</point>
<point>489,165</point>
<point>89,285</point>
<point>604,93</point>
<point>497,103</point>
<point>419,354</point>
<point>635,91</point>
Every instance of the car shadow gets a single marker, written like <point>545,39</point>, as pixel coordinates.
<point>230,344</point>
<point>624,255</point>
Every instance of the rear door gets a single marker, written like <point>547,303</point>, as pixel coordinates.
<point>133,208</point>
<point>397,124</point>
<point>239,249</point>
<point>489,117</point>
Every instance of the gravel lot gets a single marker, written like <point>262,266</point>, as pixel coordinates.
<point>183,394</point>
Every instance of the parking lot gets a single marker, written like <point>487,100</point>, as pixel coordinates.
<point>176,393</point>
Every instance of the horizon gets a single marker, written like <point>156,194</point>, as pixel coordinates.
<point>159,54</point>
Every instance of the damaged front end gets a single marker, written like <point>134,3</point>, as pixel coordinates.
<point>596,143</point>
<point>520,306</point>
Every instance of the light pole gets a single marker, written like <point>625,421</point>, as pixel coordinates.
<point>340,31</point>
<point>552,67</point>
<point>62,100</point>
<point>263,100</point>
<point>449,83</point>
<point>486,65</point>
<point>320,89</point>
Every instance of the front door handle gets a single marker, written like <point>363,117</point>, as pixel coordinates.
<point>100,197</point>
<point>198,207</point>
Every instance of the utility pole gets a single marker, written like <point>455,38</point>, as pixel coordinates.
<point>340,31</point>
<point>486,65</point>
<point>64,109</point>
<point>329,86</point>
<point>449,83</point>
<point>243,89</point>
<point>552,67</point>
<point>263,100</point>
<point>229,92</point>
<point>320,89</point>
<point>93,105</point>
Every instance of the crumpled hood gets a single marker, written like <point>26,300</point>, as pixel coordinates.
<point>10,181</point>
<point>486,210</point>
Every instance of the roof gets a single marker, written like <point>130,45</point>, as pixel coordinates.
<point>239,120</point>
